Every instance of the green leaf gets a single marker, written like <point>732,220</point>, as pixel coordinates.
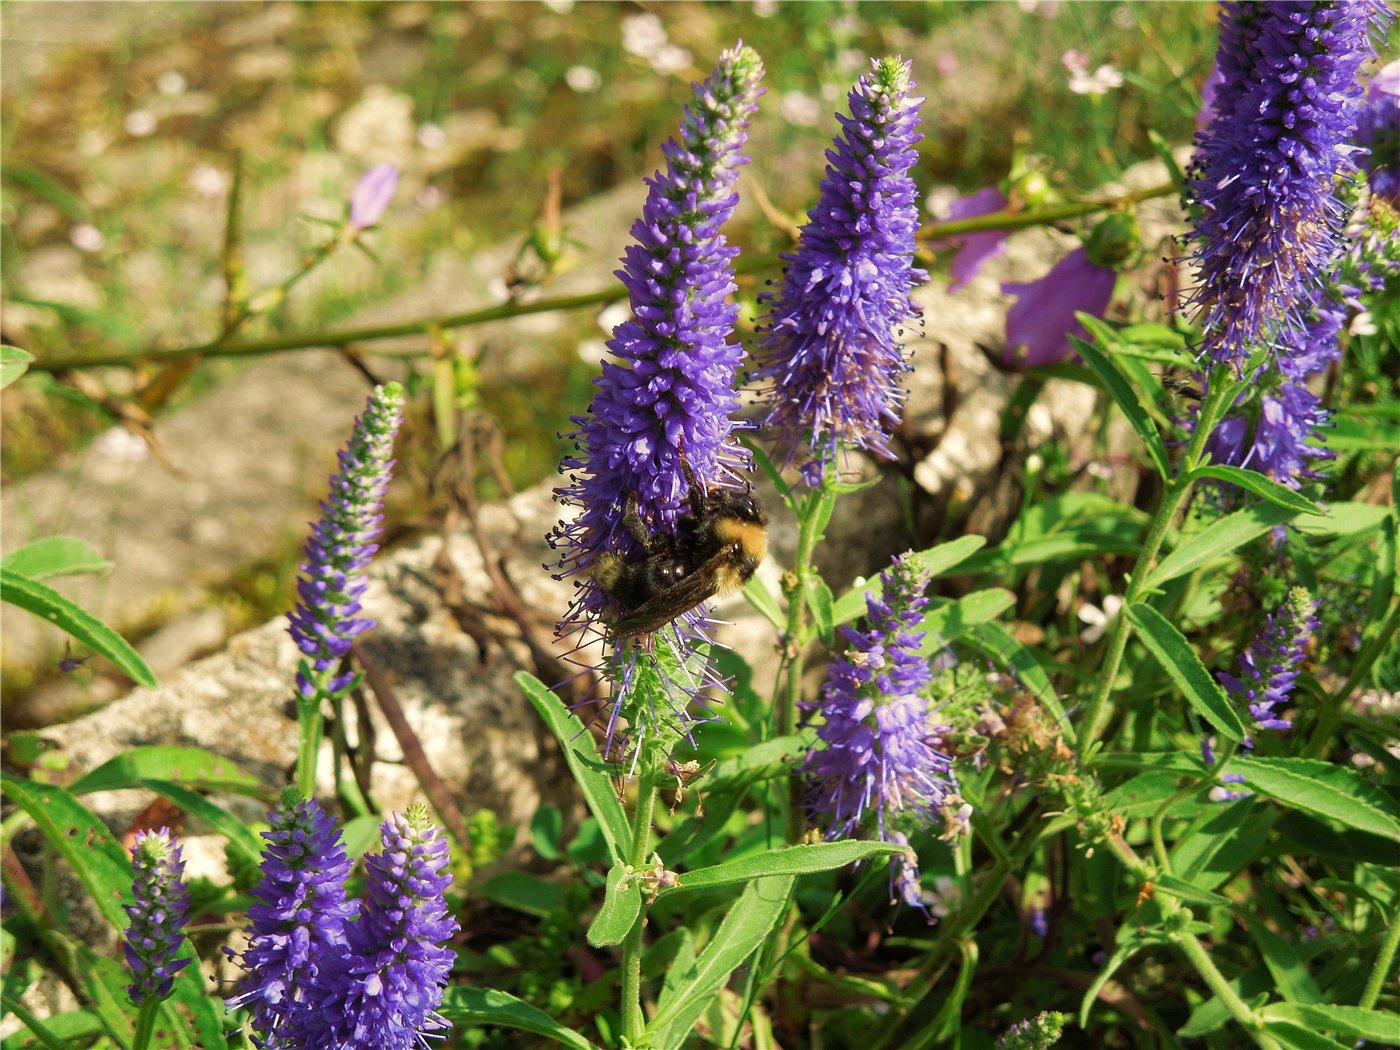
<point>41,1030</point>
<point>1253,481</point>
<point>1342,519</point>
<point>45,602</point>
<point>759,908</point>
<point>622,903</point>
<point>55,556</point>
<point>934,562</point>
<point>1181,663</point>
<point>1294,1037</point>
<point>1318,838</point>
<point>104,985</point>
<point>1352,1022</point>
<point>769,469</point>
<point>757,594</point>
<point>476,1007</point>
<point>105,872</point>
<point>1290,973</point>
<point>1223,842</point>
<point>189,767</point>
<point>590,772</point>
<point>1219,539</point>
<point>1324,789</point>
<point>1126,397</point>
<point>794,860</point>
<point>14,362</point>
<point>546,828</point>
<point>819,600</point>
<point>1189,893</point>
<point>952,620</point>
<point>523,892</point>
<point>218,818</point>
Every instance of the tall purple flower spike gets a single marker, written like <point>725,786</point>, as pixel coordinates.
<point>325,620</point>
<point>382,992</point>
<point>299,919</point>
<point>1264,176</point>
<point>668,390</point>
<point>876,755</point>
<point>1268,669</point>
<point>158,917</point>
<point>831,353</point>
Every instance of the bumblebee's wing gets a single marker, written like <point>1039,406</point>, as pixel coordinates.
<point>661,609</point>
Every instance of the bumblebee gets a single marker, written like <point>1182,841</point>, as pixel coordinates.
<point>715,550</point>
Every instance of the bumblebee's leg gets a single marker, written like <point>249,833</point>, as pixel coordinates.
<point>633,523</point>
<point>697,497</point>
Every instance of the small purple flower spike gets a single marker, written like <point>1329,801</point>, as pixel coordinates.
<point>1264,179</point>
<point>158,917</point>
<point>372,195</point>
<point>324,622</point>
<point>1040,322</point>
<point>1379,131</point>
<point>831,352</point>
<point>1269,667</point>
<point>974,249</point>
<point>382,993</point>
<point>1034,1033</point>
<point>879,754</point>
<point>299,919</point>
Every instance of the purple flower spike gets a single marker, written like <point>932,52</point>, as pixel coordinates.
<point>974,249</point>
<point>324,622</point>
<point>382,993</point>
<point>372,195</point>
<point>665,401</point>
<point>1040,322</point>
<point>1266,167</point>
<point>831,352</point>
<point>158,917</point>
<point>299,920</point>
<point>878,755</point>
<point>1379,131</point>
<point>1269,667</point>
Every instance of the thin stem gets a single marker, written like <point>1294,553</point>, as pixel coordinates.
<point>1237,1007</point>
<point>1158,844</point>
<point>1381,968</point>
<point>221,347</point>
<point>145,1023</point>
<point>633,1020</point>
<point>1097,714</point>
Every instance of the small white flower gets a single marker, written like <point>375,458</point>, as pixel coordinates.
<point>1099,620</point>
<point>432,137</point>
<point>670,59</point>
<point>583,79</point>
<point>943,897</point>
<point>1363,324</point>
<point>643,34</point>
<point>87,238</point>
<point>613,315</point>
<point>207,180</point>
<point>171,82</point>
<point>1100,82</point>
<point>428,197</point>
<point>140,123</point>
<point>797,107</point>
<point>592,352</point>
<point>121,445</point>
<point>560,7</point>
<point>765,8</point>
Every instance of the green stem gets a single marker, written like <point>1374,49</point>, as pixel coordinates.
<point>145,1023</point>
<point>633,1020</point>
<point>1337,703</point>
<point>1381,969</point>
<point>1096,715</point>
<point>310,725</point>
<point>1237,1007</point>
<point>221,347</point>
<point>1158,843</point>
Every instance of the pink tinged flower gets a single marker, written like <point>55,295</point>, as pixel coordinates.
<point>1209,89</point>
<point>974,249</point>
<point>1040,322</point>
<point>372,195</point>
